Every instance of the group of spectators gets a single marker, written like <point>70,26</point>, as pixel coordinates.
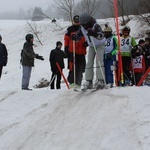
<point>102,46</point>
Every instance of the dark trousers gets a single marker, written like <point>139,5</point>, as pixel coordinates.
<point>78,76</point>
<point>79,69</point>
<point>147,64</point>
<point>126,61</point>
<point>138,76</point>
<point>56,76</point>
<point>1,68</point>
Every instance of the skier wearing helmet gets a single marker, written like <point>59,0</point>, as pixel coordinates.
<point>127,43</point>
<point>96,41</point>
<point>27,60</point>
<point>137,65</point>
<point>111,48</point>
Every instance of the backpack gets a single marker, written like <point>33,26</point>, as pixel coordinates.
<point>21,54</point>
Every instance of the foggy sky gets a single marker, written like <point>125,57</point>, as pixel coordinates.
<point>15,5</point>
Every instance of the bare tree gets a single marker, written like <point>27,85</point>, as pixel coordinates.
<point>35,31</point>
<point>144,14</point>
<point>123,8</point>
<point>66,8</point>
<point>89,6</point>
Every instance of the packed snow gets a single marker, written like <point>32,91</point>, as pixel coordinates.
<point>44,119</point>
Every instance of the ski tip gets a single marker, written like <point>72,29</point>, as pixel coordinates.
<point>83,90</point>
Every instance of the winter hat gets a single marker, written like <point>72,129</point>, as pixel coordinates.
<point>76,18</point>
<point>29,37</point>
<point>0,37</point>
<point>58,43</point>
<point>141,41</point>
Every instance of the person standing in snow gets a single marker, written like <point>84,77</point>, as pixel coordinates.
<point>75,49</point>
<point>127,43</point>
<point>27,60</point>
<point>111,48</point>
<point>96,41</point>
<point>56,56</point>
<point>3,56</point>
<point>147,52</point>
<point>137,65</point>
<point>141,43</point>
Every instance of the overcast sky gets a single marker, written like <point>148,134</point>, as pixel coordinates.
<point>14,5</point>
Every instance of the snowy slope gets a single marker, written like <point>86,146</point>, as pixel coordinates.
<point>111,119</point>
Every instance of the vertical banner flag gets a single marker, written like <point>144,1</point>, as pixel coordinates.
<point>120,69</point>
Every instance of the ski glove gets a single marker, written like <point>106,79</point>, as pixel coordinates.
<point>85,44</point>
<point>74,37</point>
<point>39,57</point>
<point>109,55</point>
<point>92,33</point>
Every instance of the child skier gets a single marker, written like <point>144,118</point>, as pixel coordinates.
<point>127,43</point>
<point>137,65</point>
<point>111,48</point>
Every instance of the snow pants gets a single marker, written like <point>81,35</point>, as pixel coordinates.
<point>92,55</point>
<point>108,62</point>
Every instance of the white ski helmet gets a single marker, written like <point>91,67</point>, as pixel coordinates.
<point>107,29</point>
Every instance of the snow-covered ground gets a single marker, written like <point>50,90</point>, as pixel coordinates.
<point>44,119</point>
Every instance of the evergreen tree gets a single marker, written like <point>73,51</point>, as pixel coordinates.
<point>37,14</point>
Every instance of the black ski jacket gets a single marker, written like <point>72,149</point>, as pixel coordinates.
<point>3,55</point>
<point>56,55</point>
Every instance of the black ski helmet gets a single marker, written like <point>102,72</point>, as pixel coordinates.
<point>136,51</point>
<point>126,30</point>
<point>28,37</point>
<point>84,18</point>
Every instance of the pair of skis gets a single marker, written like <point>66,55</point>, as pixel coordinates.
<point>92,89</point>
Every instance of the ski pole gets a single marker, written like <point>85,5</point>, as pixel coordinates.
<point>52,80</point>
<point>115,73</point>
<point>98,60</point>
<point>118,67</point>
<point>57,64</point>
<point>74,62</point>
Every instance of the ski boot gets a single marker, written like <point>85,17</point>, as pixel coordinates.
<point>88,85</point>
<point>99,84</point>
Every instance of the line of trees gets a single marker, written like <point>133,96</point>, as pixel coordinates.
<point>66,9</point>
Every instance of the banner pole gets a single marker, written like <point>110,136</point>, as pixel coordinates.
<point>120,69</point>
